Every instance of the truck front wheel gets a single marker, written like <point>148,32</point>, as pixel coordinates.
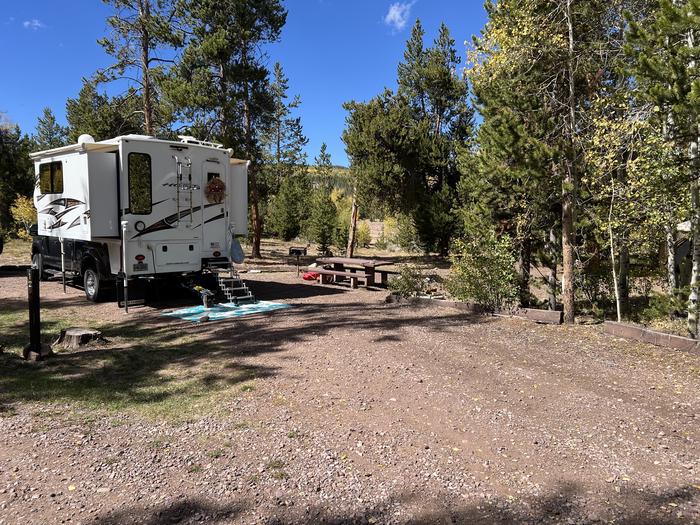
<point>92,285</point>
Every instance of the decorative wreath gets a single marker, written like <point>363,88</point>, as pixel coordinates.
<point>215,191</point>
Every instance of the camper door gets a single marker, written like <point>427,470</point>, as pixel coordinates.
<point>161,196</point>
<point>214,229</point>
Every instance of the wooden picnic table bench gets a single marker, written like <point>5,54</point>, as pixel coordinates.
<point>350,265</point>
<point>325,276</point>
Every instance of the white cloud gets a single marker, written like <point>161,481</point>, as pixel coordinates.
<point>33,24</point>
<point>397,16</point>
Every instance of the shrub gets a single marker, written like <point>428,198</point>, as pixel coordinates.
<point>23,215</point>
<point>406,237</point>
<point>408,283</point>
<point>483,269</point>
<point>665,307</point>
<point>363,235</point>
<point>382,243</point>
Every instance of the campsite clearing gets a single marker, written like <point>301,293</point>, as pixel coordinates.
<point>342,409</point>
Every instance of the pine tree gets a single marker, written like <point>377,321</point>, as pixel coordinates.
<point>667,67</point>
<point>284,140</point>
<point>140,30</point>
<point>16,169</point>
<point>221,85</point>
<point>49,133</point>
<point>403,146</point>
<point>322,219</point>
<point>102,116</point>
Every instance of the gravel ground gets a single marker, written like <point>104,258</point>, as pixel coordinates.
<point>365,412</point>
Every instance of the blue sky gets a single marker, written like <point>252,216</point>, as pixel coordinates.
<point>332,51</point>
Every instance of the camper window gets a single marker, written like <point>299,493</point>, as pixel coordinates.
<point>140,183</point>
<point>51,177</point>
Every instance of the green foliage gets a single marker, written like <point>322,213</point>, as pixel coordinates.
<point>49,133</point>
<point>139,31</point>
<point>322,224</point>
<point>289,208</point>
<point>436,221</point>
<point>16,170</point>
<point>483,268</point>
<point>409,283</point>
<point>343,206</point>
<point>100,115</point>
<point>24,215</point>
<point>323,220</point>
<point>283,140</point>
<point>402,146</point>
<point>665,306</point>
<point>406,236</point>
<point>363,236</point>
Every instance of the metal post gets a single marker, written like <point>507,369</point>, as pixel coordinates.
<point>34,310</point>
<point>126,278</point>
<point>63,263</point>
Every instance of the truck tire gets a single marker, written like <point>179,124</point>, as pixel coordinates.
<point>38,261</point>
<point>92,284</point>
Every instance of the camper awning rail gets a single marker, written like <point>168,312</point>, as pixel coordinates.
<point>75,148</point>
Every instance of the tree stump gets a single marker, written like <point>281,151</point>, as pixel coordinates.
<point>72,338</point>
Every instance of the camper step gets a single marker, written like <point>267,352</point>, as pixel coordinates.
<point>237,288</point>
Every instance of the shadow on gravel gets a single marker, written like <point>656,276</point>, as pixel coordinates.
<point>566,504</point>
<point>161,364</point>
<point>185,511</point>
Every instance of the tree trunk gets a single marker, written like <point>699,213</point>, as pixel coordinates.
<point>144,14</point>
<point>624,278</point>
<point>611,238</point>
<point>350,251</point>
<point>552,284</point>
<point>256,218</point>
<point>671,275</point>
<point>569,186</point>
<point>695,236</point>
<point>525,261</point>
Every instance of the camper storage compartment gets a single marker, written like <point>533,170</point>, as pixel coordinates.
<point>82,200</point>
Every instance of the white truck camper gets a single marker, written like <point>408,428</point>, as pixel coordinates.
<point>137,207</point>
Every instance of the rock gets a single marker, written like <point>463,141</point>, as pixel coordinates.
<point>43,353</point>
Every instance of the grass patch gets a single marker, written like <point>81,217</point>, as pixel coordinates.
<point>149,369</point>
<point>195,468</point>
<point>292,434</point>
<point>16,251</point>
<point>279,474</point>
<point>215,453</point>
<point>275,464</point>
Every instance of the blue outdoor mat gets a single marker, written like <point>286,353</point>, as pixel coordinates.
<point>225,311</point>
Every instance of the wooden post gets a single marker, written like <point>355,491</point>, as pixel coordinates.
<point>34,310</point>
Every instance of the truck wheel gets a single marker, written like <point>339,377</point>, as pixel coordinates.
<point>92,285</point>
<point>38,261</point>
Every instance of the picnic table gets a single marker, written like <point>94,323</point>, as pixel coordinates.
<point>354,267</point>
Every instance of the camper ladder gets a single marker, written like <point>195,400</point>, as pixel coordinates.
<point>231,285</point>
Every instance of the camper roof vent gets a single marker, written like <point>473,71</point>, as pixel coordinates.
<point>187,139</point>
<point>86,139</point>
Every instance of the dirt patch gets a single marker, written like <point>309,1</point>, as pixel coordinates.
<point>343,409</point>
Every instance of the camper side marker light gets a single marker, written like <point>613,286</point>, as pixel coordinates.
<point>140,257</point>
